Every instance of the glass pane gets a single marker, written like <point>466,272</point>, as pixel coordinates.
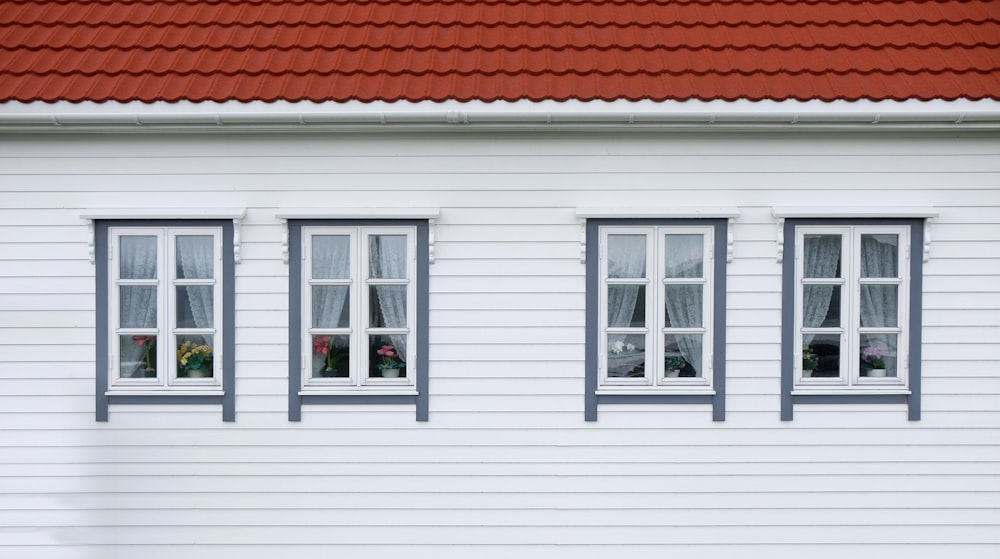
<point>626,306</point>
<point>685,255</point>
<point>879,306</point>
<point>626,256</point>
<point>682,355</point>
<point>194,257</point>
<point>138,356</point>
<point>627,355</point>
<point>195,306</point>
<point>683,306</point>
<point>331,356</point>
<point>331,306</point>
<point>138,257</point>
<point>821,352</point>
<point>878,355</point>
<point>331,257</point>
<point>387,258</point>
<point>821,306</point>
<point>822,256</point>
<point>387,306</point>
<point>195,357</point>
<point>879,256</point>
<point>387,355</point>
<point>137,306</point>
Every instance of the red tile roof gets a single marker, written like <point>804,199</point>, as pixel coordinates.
<point>415,50</point>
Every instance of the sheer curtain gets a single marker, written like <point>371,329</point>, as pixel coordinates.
<point>138,302</point>
<point>821,259</point>
<point>626,259</point>
<point>880,303</point>
<point>331,259</point>
<point>388,261</point>
<point>685,302</point>
<point>195,261</point>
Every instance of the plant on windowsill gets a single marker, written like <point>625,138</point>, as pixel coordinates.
<point>673,364</point>
<point>194,360</point>
<point>334,357</point>
<point>809,361</point>
<point>391,364</point>
<point>873,360</point>
<point>148,343</point>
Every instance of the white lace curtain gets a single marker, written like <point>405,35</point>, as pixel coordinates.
<point>821,259</point>
<point>388,261</point>
<point>331,259</point>
<point>685,302</point>
<point>880,303</point>
<point>195,261</point>
<point>138,302</point>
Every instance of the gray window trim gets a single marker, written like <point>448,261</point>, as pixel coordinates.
<point>914,332</point>
<point>593,400</point>
<point>102,276</point>
<point>295,399</point>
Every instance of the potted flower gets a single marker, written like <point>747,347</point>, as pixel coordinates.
<point>194,360</point>
<point>391,363</point>
<point>673,364</point>
<point>148,343</point>
<point>809,361</point>
<point>873,360</point>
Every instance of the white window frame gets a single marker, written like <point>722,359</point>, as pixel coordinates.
<point>850,330</point>
<point>655,282</point>
<point>166,330</point>
<point>358,330</point>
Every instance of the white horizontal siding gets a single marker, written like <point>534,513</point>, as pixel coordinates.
<point>506,465</point>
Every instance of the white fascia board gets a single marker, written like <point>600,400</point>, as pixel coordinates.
<point>520,115</point>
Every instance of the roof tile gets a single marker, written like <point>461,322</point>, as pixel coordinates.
<point>390,50</point>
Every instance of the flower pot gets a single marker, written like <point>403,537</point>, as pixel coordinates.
<point>390,373</point>
<point>876,372</point>
<point>672,373</point>
<point>199,373</point>
<point>807,373</point>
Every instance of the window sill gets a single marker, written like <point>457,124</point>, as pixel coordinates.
<point>163,392</point>
<point>368,391</point>
<point>664,391</point>
<point>839,391</point>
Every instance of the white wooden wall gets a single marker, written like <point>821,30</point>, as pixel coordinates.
<point>506,466</point>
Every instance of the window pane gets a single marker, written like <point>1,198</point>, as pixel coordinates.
<point>138,257</point>
<point>683,306</point>
<point>195,306</point>
<point>627,355</point>
<point>821,306</point>
<point>387,258</point>
<point>685,256</point>
<point>331,356</point>
<point>331,257</point>
<point>626,306</point>
<point>331,307</point>
<point>879,256</point>
<point>878,355</point>
<point>194,257</point>
<point>824,350</point>
<point>682,355</point>
<point>195,356</point>
<point>626,256</point>
<point>822,256</point>
<point>387,356</point>
<point>879,306</point>
<point>387,306</point>
<point>138,356</point>
<point>138,306</point>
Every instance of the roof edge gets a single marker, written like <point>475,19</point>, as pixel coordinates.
<point>546,115</point>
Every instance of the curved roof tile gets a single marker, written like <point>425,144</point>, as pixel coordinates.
<point>435,50</point>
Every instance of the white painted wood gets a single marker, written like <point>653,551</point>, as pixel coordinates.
<point>506,464</point>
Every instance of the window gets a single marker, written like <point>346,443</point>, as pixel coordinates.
<point>851,318</point>
<point>358,302</point>
<point>656,311</point>
<point>165,312</point>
